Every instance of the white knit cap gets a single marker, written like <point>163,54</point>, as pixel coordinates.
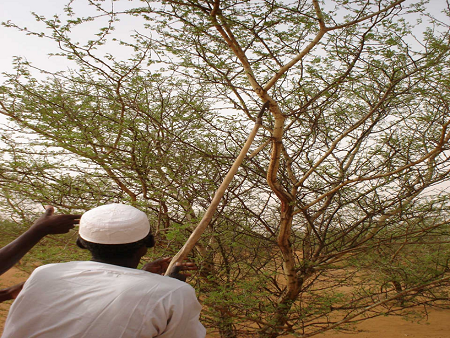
<point>114,224</point>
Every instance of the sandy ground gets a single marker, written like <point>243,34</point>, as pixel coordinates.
<point>436,326</point>
<point>9,278</point>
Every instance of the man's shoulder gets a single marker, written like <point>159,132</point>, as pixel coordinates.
<point>64,265</point>
<point>92,269</point>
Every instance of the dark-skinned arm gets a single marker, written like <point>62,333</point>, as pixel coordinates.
<point>11,292</point>
<point>44,225</point>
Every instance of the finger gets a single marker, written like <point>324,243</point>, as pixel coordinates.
<point>184,268</point>
<point>49,210</point>
<point>75,219</point>
<point>188,265</point>
<point>72,216</point>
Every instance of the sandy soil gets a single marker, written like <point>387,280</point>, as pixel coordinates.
<point>436,326</point>
<point>9,278</point>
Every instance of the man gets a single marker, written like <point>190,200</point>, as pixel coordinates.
<point>107,296</point>
<point>47,224</point>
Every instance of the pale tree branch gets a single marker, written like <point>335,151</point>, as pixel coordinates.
<point>443,140</point>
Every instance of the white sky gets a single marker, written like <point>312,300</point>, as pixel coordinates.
<point>34,49</point>
<point>15,43</point>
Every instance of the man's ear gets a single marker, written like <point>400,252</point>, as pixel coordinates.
<point>80,244</point>
<point>150,241</point>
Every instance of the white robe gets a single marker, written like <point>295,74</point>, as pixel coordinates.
<point>91,299</point>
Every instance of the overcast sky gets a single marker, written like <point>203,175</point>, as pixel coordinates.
<point>15,43</point>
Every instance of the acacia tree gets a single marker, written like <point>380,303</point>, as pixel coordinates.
<point>358,132</point>
<point>350,222</point>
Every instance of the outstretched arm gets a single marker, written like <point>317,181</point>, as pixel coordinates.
<point>44,225</point>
